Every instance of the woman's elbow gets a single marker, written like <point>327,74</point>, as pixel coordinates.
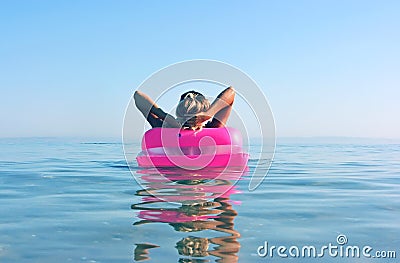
<point>231,94</point>
<point>137,96</point>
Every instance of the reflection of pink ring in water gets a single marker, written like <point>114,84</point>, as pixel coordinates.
<point>166,216</point>
<point>170,174</point>
<point>191,194</point>
<point>174,216</point>
<point>208,147</point>
<point>179,185</point>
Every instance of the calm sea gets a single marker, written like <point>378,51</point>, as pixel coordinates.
<point>75,200</point>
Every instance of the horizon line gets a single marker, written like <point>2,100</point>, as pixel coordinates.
<point>251,137</point>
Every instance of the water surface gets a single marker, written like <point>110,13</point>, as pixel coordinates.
<point>75,200</point>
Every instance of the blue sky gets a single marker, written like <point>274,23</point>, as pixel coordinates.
<point>328,68</point>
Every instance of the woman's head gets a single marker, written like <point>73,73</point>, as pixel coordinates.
<point>191,103</point>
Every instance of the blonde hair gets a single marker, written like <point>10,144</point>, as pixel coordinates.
<point>191,103</point>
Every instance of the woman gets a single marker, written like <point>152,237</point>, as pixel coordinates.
<point>192,112</point>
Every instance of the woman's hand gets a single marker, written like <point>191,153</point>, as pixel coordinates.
<point>197,120</point>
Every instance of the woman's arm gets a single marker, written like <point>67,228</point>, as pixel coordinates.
<point>219,110</point>
<point>224,100</point>
<point>153,114</point>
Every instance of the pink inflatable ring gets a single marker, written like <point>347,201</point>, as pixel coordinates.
<point>208,147</point>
